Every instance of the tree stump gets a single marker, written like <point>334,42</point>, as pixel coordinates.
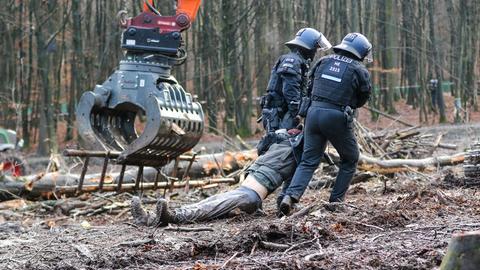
<point>463,252</point>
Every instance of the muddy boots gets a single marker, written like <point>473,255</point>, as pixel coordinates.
<point>161,217</point>
<point>140,217</point>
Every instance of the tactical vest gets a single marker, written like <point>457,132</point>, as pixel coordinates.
<point>275,85</point>
<point>335,80</point>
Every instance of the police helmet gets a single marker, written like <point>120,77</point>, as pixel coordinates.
<point>309,39</point>
<point>358,45</point>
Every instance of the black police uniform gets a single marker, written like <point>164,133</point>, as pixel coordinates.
<point>287,81</point>
<point>340,85</point>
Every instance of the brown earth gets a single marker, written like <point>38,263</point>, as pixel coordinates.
<point>403,222</point>
<point>406,226</point>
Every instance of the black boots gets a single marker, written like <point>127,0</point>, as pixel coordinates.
<point>285,206</point>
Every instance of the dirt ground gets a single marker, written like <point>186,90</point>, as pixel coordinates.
<point>405,224</point>
<point>401,222</point>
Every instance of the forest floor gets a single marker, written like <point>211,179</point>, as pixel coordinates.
<point>402,222</point>
<point>406,224</point>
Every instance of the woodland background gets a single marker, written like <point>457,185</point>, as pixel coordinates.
<point>54,50</point>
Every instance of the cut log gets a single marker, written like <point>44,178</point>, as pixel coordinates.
<point>35,186</point>
<point>58,184</point>
<point>463,252</point>
<point>371,164</point>
<point>211,164</point>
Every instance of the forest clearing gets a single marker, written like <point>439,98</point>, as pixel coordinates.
<point>189,134</point>
<point>408,218</point>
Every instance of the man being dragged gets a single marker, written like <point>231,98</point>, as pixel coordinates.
<point>276,166</point>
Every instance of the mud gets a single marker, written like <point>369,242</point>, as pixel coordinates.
<point>407,228</point>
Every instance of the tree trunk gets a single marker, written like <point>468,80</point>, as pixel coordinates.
<point>409,66</point>
<point>48,137</point>
<point>436,61</point>
<point>228,56</point>
<point>388,54</point>
<point>463,252</point>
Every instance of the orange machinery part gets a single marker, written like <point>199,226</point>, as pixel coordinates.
<point>145,7</point>
<point>189,7</point>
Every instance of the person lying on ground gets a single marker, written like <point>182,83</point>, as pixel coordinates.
<point>276,166</point>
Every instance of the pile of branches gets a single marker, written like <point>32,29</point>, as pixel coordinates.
<point>408,143</point>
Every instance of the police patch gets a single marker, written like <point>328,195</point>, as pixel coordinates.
<point>286,65</point>
<point>334,71</point>
<point>342,58</point>
<point>291,60</point>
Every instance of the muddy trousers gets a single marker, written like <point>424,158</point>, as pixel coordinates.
<point>218,206</point>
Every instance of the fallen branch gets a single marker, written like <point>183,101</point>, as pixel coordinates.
<point>274,246</point>
<point>315,257</point>
<point>367,163</point>
<point>210,164</point>
<point>229,260</point>
<point>305,211</point>
<point>189,229</point>
<point>300,244</point>
<point>55,184</point>
<point>137,243</point>
<point>388,116</point>
<point>66,184</point>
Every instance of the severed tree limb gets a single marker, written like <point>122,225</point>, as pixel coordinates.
<point>372,164</point>
<point>388,116</point>
<point>189,229</point>
<point>136,243</point>
<point>210,164</point>
<point>46,185</point>
<point>66,184</point>
<point>274,246</point>
<point>229,260</point>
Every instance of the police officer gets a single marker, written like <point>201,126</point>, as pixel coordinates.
<point>287,81</point>
<point>341,84</point>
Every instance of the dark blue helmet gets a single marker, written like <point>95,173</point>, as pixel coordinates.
<point>309,39</point>
<point>356,44</point>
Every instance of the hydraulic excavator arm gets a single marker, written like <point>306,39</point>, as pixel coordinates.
<point>143,88</point>
<point>187,7</point>
<point>150,31</point>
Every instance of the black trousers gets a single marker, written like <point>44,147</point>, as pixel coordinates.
<point>322,125</point>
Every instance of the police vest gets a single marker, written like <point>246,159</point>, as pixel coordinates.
<point>292,64</point>
<point>335,80</point>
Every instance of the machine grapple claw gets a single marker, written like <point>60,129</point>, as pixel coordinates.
<point>143,90</point>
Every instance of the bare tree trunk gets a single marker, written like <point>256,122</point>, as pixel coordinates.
<point>409,66</point>
<point>228,56</point>
<point>436,61</point>
<point>388,54</point>
<point>48,136</point>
